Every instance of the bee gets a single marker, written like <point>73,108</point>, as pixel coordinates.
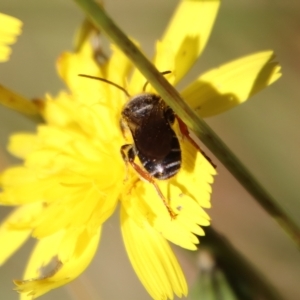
<point>156,144</point>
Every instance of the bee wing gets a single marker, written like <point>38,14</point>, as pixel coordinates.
<point>153,138</point>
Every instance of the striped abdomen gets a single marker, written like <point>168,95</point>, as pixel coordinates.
<point>166,167</point>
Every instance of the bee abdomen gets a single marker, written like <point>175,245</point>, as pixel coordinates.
<point>169,170</point>
<point>165,168</point>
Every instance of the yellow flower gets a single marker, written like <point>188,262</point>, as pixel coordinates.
<point>10,28</point>
<point>73,175</point>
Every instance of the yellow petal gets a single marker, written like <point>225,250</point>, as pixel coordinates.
<point>96,123</point>
<point>188,33</point>
<point>22,185</point>
<point>88,205</point>
<point>5,53</point>
<point>58,111</point>
<point>152,259</point>
<point>70,65</point>
<point>12,235</point>
<point>231,84</point>
<point>10,28</point>
<point>22,217</point>
<point>144,203</point>
<point>181,230</point>
<point>57,260</point>
<point>196,174</point>
<point>137,80</point>
<point>164,61</point>
<point>22,144</point>
<point>118,67</point>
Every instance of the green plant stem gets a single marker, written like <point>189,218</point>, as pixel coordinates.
<point>244,278</point>
<point>101,20</point>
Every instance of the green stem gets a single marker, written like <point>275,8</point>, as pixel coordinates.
<point>244,278</point>
<point>101,20</point>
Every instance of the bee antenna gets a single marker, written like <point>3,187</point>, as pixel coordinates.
<point>146,83</point>
<point>107,81</point>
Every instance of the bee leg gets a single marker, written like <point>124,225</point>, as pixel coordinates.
<point>124,128</point>
<point>185,132</point>
<point>128,155</point>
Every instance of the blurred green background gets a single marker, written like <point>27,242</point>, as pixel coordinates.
<point>264,132</point>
